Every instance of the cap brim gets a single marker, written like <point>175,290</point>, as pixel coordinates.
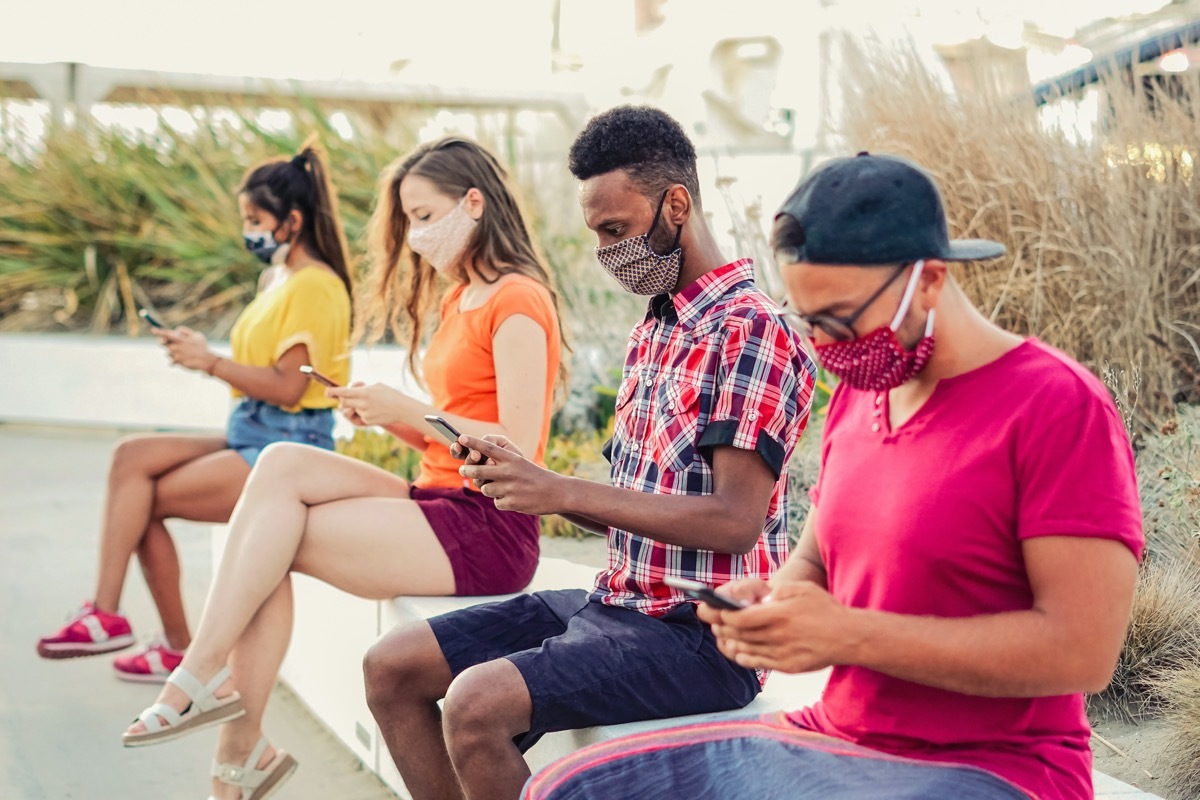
<point>973,250</point>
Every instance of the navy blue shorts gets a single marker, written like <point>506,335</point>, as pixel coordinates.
<point>254,424</point>
<point>586,663</point>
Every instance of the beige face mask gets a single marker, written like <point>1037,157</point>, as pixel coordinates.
<point>442,242</point>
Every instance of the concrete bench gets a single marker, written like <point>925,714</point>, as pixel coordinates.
<point>332,630</point>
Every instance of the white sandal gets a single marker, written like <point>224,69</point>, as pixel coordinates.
<point>257,784</point>
<point>204,711</point>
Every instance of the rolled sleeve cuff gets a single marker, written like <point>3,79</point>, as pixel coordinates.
<point>725,433</point>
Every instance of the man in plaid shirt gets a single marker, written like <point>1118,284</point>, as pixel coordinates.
<point>715,394</point>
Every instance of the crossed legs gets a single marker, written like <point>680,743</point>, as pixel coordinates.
<point>312,511</point>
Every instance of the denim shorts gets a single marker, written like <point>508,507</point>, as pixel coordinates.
<point>254,424</point>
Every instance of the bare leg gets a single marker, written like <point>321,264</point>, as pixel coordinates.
<point>204,490</point>
<point>405,675</point>
<point>255,662</point>
<point>486,706</point>
<point>161,569</point>
<point>293,515</point>
<point>137,463</point>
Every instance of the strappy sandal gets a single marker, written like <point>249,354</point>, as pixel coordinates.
<point>257,784</point>
<point>204,711</point>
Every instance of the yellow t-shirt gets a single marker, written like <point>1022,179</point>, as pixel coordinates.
<point>310,307</point>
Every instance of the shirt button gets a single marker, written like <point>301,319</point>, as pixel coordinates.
<point>874,428</point>
<point>878,399</point>
<point>877,413</point>
<point>753,415</point>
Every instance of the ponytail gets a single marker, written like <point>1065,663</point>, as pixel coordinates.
<point>328,238</point>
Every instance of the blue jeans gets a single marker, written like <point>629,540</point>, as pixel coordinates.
<point>254,424</point>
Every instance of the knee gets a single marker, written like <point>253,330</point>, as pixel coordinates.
<point>281,458</point>
<point>128,456</point>
<point>485,701</point>
<point>395,668</point>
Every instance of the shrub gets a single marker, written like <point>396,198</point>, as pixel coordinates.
<point>1164,630</point>
<point>1180,759</point>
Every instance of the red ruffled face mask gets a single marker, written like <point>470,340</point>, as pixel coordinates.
<point>878,362</point>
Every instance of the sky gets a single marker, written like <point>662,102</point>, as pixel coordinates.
<point>466,42</point>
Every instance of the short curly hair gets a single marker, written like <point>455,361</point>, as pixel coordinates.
<point>648,144</point>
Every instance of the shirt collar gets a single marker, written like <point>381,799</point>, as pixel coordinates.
<point>690,304</point>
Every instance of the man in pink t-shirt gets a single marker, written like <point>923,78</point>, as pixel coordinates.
<point>969,561</point>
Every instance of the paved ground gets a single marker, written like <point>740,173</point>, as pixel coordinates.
<point>60,722</point>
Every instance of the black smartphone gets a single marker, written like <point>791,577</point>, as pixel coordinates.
<point>705,594</point>
<point>318,377</point>
<point>150,320</point>
<point>447,431</point>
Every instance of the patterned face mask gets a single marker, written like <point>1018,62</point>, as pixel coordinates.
<point>878,361</point>
<point>442,242</point>
<point>266,248</point>
<point>637,267</point>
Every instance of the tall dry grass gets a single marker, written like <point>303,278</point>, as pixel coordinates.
<point>1103,237</point>
<point>1179,762</point>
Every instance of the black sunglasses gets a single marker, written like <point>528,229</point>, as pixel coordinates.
<point>841,329</point>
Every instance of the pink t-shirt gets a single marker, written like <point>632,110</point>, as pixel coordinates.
<point>928,519</point>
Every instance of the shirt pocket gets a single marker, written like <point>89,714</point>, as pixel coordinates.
<point>676,415</point>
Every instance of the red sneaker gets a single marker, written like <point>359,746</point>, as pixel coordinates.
<point>89,632</point>
<point>151,663</point>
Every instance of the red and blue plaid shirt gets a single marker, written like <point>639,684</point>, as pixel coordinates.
<point>713,366</point>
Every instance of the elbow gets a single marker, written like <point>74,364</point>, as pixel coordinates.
<point>1090,673</point>
<point>1096,679</point>
<point>740,539</point>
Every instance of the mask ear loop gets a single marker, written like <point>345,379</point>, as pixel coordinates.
<point>909,291</point>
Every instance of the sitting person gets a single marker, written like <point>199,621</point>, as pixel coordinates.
<point>300,316</point>
<point>968,565</point>
<point>714,397</point>
<point>444,212</point>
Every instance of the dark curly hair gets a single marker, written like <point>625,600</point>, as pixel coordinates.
<point>645,142</point>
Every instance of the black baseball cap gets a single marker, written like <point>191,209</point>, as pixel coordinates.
<point>872,209</point>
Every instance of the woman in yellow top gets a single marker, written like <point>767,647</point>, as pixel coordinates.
<point>300,316</point>
<point>444,212</point>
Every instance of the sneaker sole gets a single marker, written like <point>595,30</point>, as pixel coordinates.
<point>79,650</point>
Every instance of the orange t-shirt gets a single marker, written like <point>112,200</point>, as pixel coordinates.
<point>460,370</point>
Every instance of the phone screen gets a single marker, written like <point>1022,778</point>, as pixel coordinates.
<point>447,430</point>
<point>705,594</point>
<point>318,377</point>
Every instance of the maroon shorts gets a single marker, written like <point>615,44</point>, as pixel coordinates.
<point>490,551</point>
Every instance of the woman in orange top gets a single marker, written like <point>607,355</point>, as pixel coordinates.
<point>491,366</point>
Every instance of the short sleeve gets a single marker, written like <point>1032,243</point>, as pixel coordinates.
<point>1075,471</point>
<point>313,316</point>
<point>525,298</point>
<point>763,395</point>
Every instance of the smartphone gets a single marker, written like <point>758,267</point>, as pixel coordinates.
<point>150,320</point>
<point>446,430</point>
<point>318,377</point>
<point>705,594</point>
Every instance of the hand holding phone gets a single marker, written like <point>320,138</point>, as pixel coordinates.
<point>448,432</point>
<point>150,320</point>
<point>705,594</point>
<point>318,377</point>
